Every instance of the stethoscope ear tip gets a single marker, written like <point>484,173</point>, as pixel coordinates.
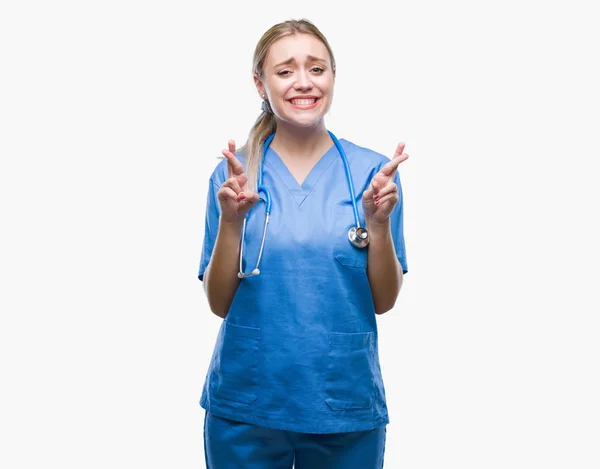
<point>254,272</point>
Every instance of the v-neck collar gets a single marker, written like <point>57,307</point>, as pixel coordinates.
<point>301,191</point>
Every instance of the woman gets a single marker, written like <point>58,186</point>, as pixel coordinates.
<point>295,375</point>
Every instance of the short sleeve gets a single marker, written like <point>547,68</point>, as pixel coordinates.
<point>211,226</point>
<point>397,226</point>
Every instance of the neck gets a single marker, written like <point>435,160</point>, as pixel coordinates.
<point>301,142</point>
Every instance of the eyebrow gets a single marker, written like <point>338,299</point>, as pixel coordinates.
<point>310,57</point>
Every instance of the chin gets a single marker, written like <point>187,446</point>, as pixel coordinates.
<point>307,122</point>
<point>307,125</point>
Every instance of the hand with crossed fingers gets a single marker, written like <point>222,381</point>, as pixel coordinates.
<point>235,198</point>
<point>379,199</point>
<point>382,195</point>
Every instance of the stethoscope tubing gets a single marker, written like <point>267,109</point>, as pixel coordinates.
<point>357,235</point>
<point>338,145</point>
<point>348,177</point>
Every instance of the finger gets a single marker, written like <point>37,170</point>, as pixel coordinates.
<point>242,179</point>
<point>231,146</point>
<point>226,193</point>
<point>234,166</point>
<point>229,165</point>
<point>233,184</point>
<point>227,156</point>
<point>249,199</point>
<point>243,195</point>
<point>393,197</point>
<point>399,149</point>
<point>388,189</point>
<point>389,169</point>
<point>232,160</point>
<point>402,157</point>
<point>378,182</point>
<point>246,193</point>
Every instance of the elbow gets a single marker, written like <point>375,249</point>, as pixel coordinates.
<point>219,313</point>
<point>387,304</point>
<point>217,307</point>
<point>218,310</point>
<point>215,304</point>
<point>381,309</point>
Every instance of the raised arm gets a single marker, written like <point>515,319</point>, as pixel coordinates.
<point>220,278</point>
<point>383,268</point>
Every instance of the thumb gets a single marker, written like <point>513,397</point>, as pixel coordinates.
<point>250,199</point>
<point>368,193</point>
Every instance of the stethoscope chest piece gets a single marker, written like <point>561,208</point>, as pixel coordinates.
<point>359,237</point>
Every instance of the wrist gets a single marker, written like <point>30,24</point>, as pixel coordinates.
<point>231,225</point>
<point>378,228</point>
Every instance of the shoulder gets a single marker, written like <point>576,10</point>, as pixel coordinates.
<point>363,157</point>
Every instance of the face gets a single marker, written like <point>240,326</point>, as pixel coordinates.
<point>298,66</point>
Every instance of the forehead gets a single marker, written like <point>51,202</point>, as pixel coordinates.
<point>298,46</point>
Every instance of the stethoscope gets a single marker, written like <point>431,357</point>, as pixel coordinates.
<point>357,235</point>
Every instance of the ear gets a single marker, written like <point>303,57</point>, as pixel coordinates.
<point>259,86</point>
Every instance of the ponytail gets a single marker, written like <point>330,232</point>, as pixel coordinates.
<point>264,126</point>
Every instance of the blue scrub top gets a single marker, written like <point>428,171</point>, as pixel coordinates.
<point>298,349</point>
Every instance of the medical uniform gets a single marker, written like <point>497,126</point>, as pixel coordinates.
<point>298,350</point>
<point>238,445</point>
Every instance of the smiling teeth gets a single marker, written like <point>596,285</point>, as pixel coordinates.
<point>303,102</point>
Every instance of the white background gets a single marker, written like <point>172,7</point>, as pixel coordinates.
<point>112,116</point>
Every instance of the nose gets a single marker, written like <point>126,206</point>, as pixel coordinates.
<point>303,81</point>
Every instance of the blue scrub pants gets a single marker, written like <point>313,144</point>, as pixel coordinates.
<point>236,445</point>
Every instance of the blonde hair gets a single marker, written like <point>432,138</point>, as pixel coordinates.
<point>265,125</point>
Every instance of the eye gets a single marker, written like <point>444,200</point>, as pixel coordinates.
<point>285,73</point>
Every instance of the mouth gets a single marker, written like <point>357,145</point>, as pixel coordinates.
<point>304,103</point>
